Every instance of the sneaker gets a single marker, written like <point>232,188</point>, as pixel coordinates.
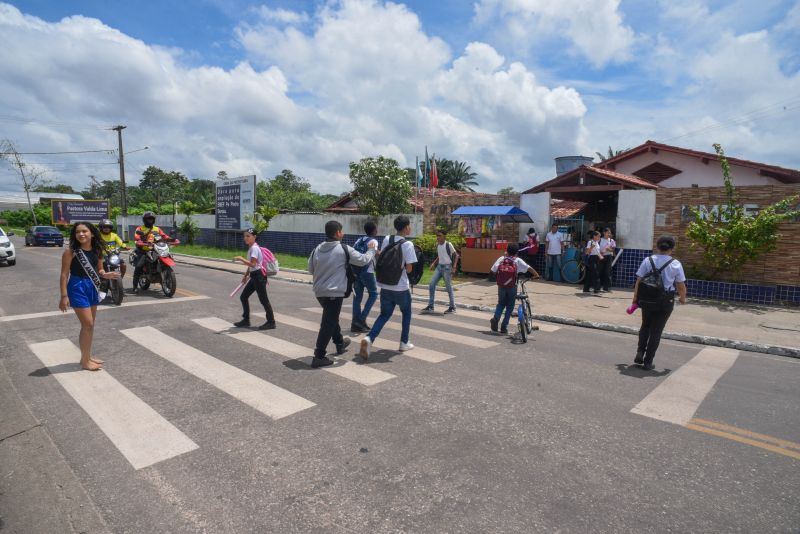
<point>649,367</point>
<point>504,330</point>
<point>356,328</point>
<point>427,309</point>
<point>493,324</point>
<point>269,325</point>
<point>364,326</point>
<point>639,358</point>
<point>366,346</point>
<point>244,323</point>
<point>341,348</point>
<point>320,361</point>
<point>451,309</point>
<point>406,346</point>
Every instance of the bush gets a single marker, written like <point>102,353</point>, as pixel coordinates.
<point>427,242</point>
<point>189,229</point>
<point>24,219</point>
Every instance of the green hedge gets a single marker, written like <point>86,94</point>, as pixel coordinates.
<point>427,242</point>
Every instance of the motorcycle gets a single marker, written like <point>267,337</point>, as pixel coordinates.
<point>112,288</point>
<point>158,266</point>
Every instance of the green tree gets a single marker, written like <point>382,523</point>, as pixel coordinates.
<point>188,227</point>
<point>287,191</point>
<point>507,191</point>
<point>260,219</point>
<point>202,193</point>
<point>611,154</point>
<point>729,237</point>
<point>380,186</point>
<point>455,175</point>
<point>163,187</point>
<point>51,186</point>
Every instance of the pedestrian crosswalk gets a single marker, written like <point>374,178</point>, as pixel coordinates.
<point>144,437</point>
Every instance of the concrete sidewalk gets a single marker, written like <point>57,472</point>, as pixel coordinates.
<point>766,329</point>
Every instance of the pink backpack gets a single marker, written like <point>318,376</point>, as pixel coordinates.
<point>269,263</point>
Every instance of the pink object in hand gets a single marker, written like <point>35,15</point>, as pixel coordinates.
<point>632,308</point>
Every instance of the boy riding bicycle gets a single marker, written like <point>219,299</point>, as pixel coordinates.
<point>508,268</point>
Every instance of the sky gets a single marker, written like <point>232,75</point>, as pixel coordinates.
<point>503,85</point>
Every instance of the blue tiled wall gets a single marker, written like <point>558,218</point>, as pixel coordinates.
<point>788,294</point>
<point>730,291</point>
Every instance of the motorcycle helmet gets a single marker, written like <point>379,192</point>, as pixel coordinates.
<point>149,216</point>
<point>106,223</point>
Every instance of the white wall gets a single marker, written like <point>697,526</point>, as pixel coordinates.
<point>635,218</point>
<point>295,222</point>
<point>694,170</point>
<point>538,207</point>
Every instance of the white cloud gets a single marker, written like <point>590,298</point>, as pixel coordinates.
<point>594,27</point>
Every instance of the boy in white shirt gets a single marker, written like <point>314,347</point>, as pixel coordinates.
<point>397,294</point>
<point>508,268</point>
<point>445,264</point>
<point>554,250</point>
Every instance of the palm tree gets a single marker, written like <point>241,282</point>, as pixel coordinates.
<point>611,153</point>
<point>456,175</point>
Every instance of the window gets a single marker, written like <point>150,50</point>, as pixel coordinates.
<point>656,172</point>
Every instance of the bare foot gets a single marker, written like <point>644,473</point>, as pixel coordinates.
<point>91,366</point>
<point>95,360</point>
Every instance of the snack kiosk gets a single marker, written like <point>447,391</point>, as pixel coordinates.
<point>480,225</point>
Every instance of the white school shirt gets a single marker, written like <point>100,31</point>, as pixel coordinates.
<point>606,242</point>
<point>444,256</point>
<point>522,267</point>
<point>409,257</point>
<point>255,252</point>
<point>595,248</point>
<point>671,274</point>
<point>554,241</point>
<point>371,265</point>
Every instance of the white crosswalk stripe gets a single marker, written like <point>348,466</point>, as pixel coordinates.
<point>430,332</point>
<point>139,432</point>
<point>362,374</point>
<point>454,320</point>
<point>418,353</point>
<point>267,398</point>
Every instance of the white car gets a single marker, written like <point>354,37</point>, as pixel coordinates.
<point>7,252</point>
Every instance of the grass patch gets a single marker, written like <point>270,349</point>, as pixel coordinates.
<point>288,261</point>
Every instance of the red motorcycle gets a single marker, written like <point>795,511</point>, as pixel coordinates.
<point>158,265</point>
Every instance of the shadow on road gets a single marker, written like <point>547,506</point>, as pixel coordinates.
<point>60,368</point>
<point>637,371</point>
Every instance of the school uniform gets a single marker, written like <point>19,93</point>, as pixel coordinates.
<point>605,265</point>
<point>654,320</point>
<point>592,277</point>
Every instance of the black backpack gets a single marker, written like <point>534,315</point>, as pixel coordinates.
<point>351,277</point>
<point>390,264</point>
<point>652,293</point>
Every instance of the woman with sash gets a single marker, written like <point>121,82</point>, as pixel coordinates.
<point>81,271</point>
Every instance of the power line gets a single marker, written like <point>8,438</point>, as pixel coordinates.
<point>108,151</point>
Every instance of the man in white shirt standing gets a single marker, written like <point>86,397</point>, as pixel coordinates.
<point>445,264</point>
<point>554,250</point>
<point>396,260</point>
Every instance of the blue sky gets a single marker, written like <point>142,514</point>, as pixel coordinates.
<point>255,87</point>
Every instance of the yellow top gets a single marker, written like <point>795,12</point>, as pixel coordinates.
<point>112,240</point>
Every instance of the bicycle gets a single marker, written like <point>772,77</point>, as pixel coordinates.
<point>524,311</point>
<point>573,271</point>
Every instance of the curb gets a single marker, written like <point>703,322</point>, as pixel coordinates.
<point>776,350</point>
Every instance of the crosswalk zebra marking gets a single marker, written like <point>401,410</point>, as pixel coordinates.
<point>430,332</point>
<point>140,433</point>
<point>419,353</point>
<point>362,374</point>
<point>484,316</point>
<point>269,399</point>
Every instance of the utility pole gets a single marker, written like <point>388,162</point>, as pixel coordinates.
<point>124,193</point>
<point>93,186</point>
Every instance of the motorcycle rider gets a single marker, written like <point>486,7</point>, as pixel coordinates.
<point>144,234</point>
<point>112,241</point>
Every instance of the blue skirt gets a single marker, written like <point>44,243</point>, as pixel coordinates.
<point>81,292</point>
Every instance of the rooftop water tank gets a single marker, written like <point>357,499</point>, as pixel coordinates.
<point>565,164</point>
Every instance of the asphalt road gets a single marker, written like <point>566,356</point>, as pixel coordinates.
<point>476,434</point>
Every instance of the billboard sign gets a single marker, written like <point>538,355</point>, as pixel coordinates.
<point>72,211</point>
<point>236,202</point>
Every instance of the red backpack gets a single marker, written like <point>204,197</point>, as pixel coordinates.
<point>507,272</point>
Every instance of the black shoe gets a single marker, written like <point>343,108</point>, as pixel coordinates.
<point>596,291</point>
<point>504,330</point>
<point>321,361</point>
<point>427,309</point>
<point>341,348</point>
<point>269,325</point>
<point>451,309</point>
<point>244,323</point>
<point>493,324</point>
<point>356,328</point>
<point>639,358</point>
<point>364,326</point>
<point>648,367</point>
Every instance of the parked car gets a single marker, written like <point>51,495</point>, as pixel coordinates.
<point>7,252</point>
<point>43,235</point>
